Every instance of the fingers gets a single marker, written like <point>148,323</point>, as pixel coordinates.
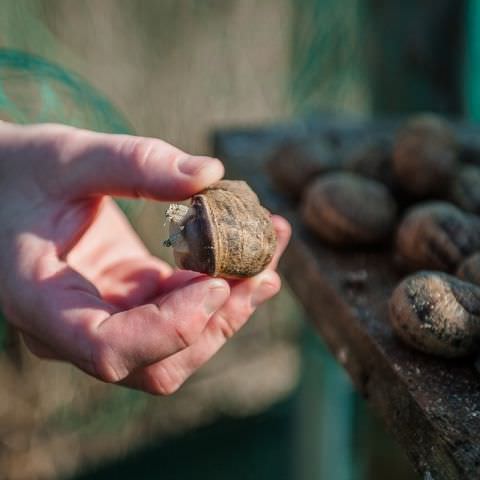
<point>56,304</point>
<point>283,231</point>
<point>98,163</point>
<point>166,376</point>
<point>108,345</point>
<point>151,332</point>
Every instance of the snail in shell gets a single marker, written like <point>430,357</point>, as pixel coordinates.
<point>224,232</point>
<point>294,164</point>
<point>347,209</point>
<point>465,189</point>
<point>436,235</point>
<point>437,313</point>
<point>425,155</point>
<point>469,269</point>
<point>372,159</point>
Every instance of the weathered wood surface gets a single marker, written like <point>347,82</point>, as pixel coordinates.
<point>430,405</point>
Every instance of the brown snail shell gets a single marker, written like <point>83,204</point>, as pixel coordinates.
<point>372,159</point>
<point>225,232</point>
<point>469,149</point>
<point>437,313</point>
<point>469,269</point>
<point>465,189</point>
<point>347,209</point>
<point>436,235</point>
<point>294,164</point>
<point>424,155</point>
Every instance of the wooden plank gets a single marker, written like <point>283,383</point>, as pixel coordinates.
<point>430,405</point>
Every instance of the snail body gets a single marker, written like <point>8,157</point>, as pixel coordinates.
<point>224,232</point>
<point>436,235</point>
<point>437,313</point>
<point>347,209</point>
<point>424,155</point>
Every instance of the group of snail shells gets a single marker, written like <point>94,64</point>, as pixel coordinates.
<point>354,196</point>
<point>224,232</point>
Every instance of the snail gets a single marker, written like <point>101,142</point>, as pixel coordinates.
<point>469,145</point>
<point>296,163</point>
<point>465,189</point>
<point>224,232</point>
<point>347,209</point>
<point>372,159</point>
<point>436,235</point>
<point>469,269</point>
<point>424,155</point>
<point>437,313</point>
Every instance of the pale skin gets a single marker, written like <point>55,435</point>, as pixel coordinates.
<point>79,284</point>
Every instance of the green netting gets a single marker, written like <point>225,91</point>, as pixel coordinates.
<point>33,90</point>
<point>328,55</point>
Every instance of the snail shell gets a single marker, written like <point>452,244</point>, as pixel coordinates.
<point>469,269</point>
<point>436,235</point>
<point>372,159</point>
<point>424,155</point>
<point>469,149</point>
<point>296,163</point>
<point>347,209</point>
<point>225,232</point>
<point>465,189</point>
<point>436,313</point>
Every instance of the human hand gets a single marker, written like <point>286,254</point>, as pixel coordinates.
<point>78,283</point>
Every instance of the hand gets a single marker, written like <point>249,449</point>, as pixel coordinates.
<point>79,284</point>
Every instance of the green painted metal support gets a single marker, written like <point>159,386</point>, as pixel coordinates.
<point>325,417</point>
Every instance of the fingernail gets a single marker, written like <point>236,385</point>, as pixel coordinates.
<point>266,289</point>
<point>217,293</point>
<point>192,165</point>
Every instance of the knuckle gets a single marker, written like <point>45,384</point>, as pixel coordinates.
<point>60,140</point>
<point>184,334</point>
<point>226,326</point>
<point>105,364</point>
<point>139,151</point>
<point>276,284</point>
<point>162,381</point>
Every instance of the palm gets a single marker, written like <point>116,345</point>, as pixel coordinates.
<point>114,259</point>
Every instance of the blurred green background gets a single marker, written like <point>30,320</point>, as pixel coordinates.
<point>272,404</point>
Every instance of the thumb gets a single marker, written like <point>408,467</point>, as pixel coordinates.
<point>125,165</point>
